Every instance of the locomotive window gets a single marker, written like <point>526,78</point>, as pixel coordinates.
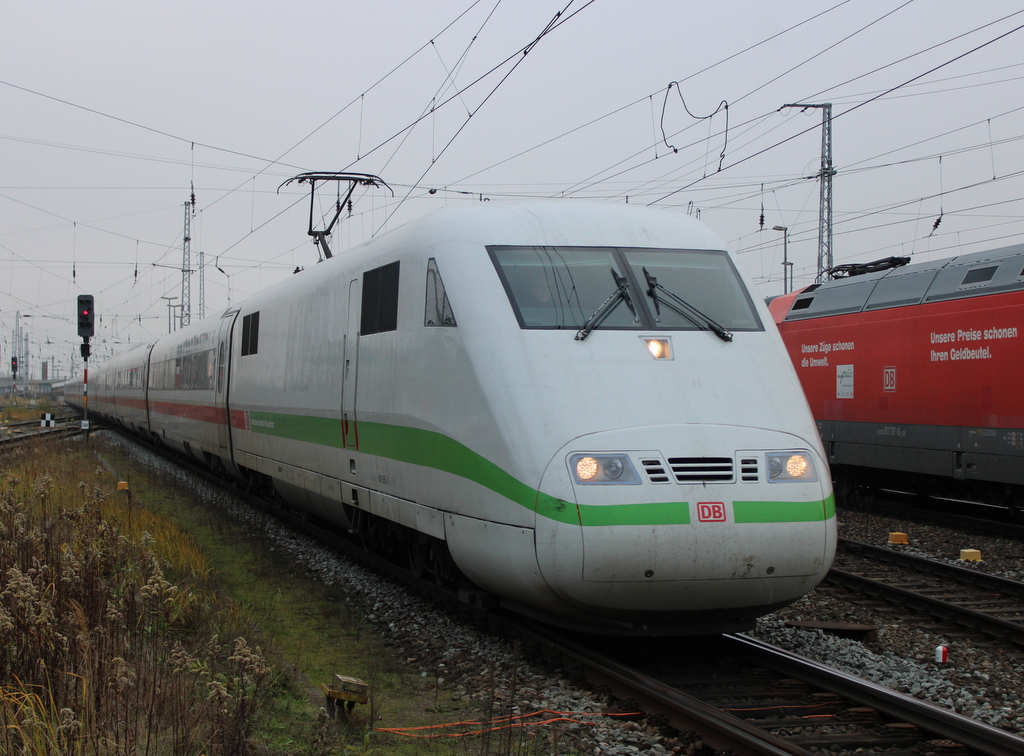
<point>979,276</point>
<point>250,334</point>
<point>380,300</point>
<point>561,287</point>
<point>705,280</point>
<point>437,310</point>
<point>552,287</point>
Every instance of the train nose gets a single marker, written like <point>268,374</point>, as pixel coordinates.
<point>632,523</point>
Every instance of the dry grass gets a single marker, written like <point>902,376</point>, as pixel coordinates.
<point>129,624</point>
<point>110,637</point>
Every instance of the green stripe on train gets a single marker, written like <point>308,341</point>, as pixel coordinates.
<point>653,513</point>
<point>783,511</point>
<point>440,452</point>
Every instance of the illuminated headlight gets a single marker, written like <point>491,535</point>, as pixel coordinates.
<point>603,469</point>
<point>660,348</point>
<point>787,467</point>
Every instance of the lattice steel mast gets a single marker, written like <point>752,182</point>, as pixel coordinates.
<point>825,175</point>
<point>186,269</point>
<point>202,285</point>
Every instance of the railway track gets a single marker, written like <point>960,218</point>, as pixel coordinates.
<point>975,517</point>
<point>738,693</point>
<point>969,598</point>
<point>14,434</point>
<point>753,698</point>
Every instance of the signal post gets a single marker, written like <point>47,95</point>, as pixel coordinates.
<point>86,328</point>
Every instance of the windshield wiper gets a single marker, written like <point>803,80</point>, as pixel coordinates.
<point>620,294</point>
<point>684,308</point>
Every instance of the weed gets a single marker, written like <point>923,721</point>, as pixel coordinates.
<point>103,625</point>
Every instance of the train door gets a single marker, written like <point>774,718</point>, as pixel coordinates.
<point>220,389</point>
<point>349,433</point>
<point>144,423</point>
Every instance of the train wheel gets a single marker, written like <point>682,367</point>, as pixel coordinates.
<point>446,574</point>
<point>416,548</point>
<point>848,494</point>
<point>1011,497</point>
<point>365,534</point>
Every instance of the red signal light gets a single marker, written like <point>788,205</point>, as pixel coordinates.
<point>86,327</point>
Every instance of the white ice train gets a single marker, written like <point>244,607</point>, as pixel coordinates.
<point>580,406</point>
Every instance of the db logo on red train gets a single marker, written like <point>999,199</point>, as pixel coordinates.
<point>710,511</point>
<point>889,379</point>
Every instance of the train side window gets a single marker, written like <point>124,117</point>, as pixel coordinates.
<point>437,310</point>
<point>803,304</point>
<point>380,300</point>
<point>250,333</point>
<point>978,277</point>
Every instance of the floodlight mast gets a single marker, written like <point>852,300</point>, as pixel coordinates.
<point>354,179</point>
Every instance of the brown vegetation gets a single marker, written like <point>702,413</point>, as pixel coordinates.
<point>111,639</point>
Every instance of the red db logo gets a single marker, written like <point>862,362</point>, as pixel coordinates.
<point>710,511</point>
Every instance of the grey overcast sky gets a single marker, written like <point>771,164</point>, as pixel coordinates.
<point>114,111</point>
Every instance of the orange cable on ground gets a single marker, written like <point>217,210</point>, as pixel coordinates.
<point>503,722</point>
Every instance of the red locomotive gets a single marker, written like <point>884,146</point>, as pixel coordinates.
<point>916,369</point>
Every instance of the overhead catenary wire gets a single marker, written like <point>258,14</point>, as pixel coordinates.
<point>731,57</point>
<point>553,24</point>
<point>276,161</point>
<point>603,188</point>
<point>860,105</point>
<point>821,93</point>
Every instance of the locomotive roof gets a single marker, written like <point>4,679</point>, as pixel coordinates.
<point>994,271</point>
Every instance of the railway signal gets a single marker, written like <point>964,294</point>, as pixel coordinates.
<point>86,329</point>
<point>86,316</point>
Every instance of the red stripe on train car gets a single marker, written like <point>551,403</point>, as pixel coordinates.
<point>200,412</point>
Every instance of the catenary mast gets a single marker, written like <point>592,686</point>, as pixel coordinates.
<point>825,175</point>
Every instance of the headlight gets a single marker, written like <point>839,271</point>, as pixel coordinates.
<point>789,467</point>
<point>603,468</point>
<point>660,348</point>
<point>587,468</point>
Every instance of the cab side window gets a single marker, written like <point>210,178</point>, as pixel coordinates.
<point>250,334</point>
<point>437,310</point>
<point>380,300</point>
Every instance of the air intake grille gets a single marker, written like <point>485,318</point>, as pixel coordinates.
<point>749,470</point>
<point>702,469</point>
<point>655,470</point>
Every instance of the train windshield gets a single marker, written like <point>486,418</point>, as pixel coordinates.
<point>706,281</point>
<point>562,287</point>
<point>556,287</point>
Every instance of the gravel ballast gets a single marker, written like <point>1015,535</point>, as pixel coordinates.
<point>980,679</point>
